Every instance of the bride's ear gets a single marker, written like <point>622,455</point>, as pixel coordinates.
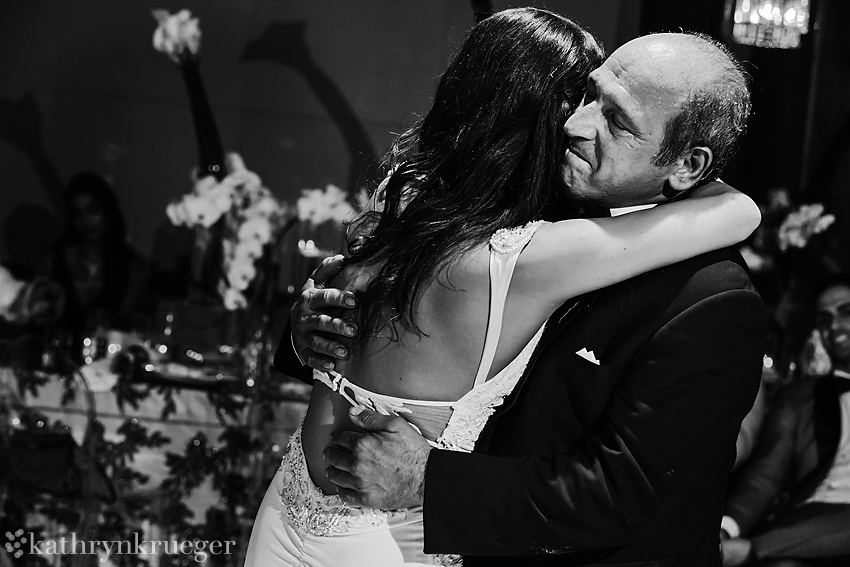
<point>690,169</point>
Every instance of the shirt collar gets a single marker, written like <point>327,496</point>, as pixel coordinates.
<point>623,210</point>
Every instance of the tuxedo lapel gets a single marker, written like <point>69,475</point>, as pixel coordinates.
<point>556,324</point>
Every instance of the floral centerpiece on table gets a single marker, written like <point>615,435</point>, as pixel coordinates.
<point>229,205</point>
<point>254,220</point>
<point>252,217</point>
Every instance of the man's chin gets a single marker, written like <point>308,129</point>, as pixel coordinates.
<point>586,205</point>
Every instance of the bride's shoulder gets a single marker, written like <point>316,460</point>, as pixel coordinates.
<point>509,240</point>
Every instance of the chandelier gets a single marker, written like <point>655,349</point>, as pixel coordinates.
<point>770,23</point>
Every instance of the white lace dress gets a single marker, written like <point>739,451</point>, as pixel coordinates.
<point>297,524</point>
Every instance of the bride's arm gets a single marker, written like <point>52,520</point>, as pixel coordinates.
<point>571,257</point>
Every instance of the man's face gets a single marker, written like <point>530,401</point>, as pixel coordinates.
<point>833,321</point>
<point>618,130</point>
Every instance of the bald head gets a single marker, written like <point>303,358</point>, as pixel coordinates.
<point>661,115</point>
<point>679,55</point>
<point>709,85</point>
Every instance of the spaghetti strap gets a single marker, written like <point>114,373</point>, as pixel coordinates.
<point>505,248</point>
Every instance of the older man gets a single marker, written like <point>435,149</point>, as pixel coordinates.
<point>616,445</point>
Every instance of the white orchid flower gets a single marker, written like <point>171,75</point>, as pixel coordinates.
<point>240,273</point>
<point>257,228</point>
<point>176,34</point>
<point>233,299</point>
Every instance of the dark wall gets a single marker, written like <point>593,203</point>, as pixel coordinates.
<point>827,177</point>
<point>304,91</point>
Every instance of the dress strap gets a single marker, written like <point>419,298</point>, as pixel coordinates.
<point>505,248</point>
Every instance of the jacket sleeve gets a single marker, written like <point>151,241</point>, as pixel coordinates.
<point>674,415</point>
<point>762,478</point>
<point>808,532</point>
<point>286,360</point>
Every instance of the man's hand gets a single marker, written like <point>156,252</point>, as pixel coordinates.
<point>382,467</point>
<point>316,334</point>
<point>736,551</point>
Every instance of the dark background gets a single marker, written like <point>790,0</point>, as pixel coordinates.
<point>310,92</point>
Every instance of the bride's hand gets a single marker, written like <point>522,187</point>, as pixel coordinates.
<point>316,332</point>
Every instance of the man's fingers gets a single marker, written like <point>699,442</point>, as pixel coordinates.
<point>319,322</point>
<point>332,298</point>
<point>326,347</point>
<point>316,361</point>
<point>328,270</point>
<point>350,497</point>
<point>341,478</point>
<point>347,440</point>
<point>372,421</point>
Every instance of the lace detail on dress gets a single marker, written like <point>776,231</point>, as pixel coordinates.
<point>314,512</point>
<point>472,411</point>
<point>507,240</point>
<point>384,405</point>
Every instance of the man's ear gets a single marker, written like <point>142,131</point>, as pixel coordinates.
<point>690,169</point>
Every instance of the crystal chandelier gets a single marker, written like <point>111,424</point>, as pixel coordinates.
<point>770,23</point>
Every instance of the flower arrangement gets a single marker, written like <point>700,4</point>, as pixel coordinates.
<point>254,219</point>
<point>229,203</point>
<point>252,216</point>
<point>318,206</point>
<point>801,225</point>
<point>783,229</point>
<point>178,35</point>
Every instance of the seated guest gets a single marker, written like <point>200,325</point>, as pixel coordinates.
<point>98,269</point>
<point>790,503</point>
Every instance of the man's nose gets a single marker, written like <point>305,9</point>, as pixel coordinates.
<point>579,124</point>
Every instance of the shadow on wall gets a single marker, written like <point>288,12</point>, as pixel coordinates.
<point>21,127</point>
<point>283,43</point>
<point>31,229</point>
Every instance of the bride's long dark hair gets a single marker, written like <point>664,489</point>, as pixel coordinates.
<point>486,156</point>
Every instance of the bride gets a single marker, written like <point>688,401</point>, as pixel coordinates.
<point>457,270</point>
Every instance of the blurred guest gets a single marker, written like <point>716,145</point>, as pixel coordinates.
<point>790,504</point>
<point>101,273</point>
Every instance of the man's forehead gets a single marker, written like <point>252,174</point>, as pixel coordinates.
<point>833,298</point>
<point>610,81</point>
<point>665,62</point>
<point>637,85</point>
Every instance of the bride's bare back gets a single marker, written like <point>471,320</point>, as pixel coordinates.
<point>438,364</point>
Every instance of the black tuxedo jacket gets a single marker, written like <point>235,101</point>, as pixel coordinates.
<point>795,451</point>
<point>617,462</point>
<point>621,461</point>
